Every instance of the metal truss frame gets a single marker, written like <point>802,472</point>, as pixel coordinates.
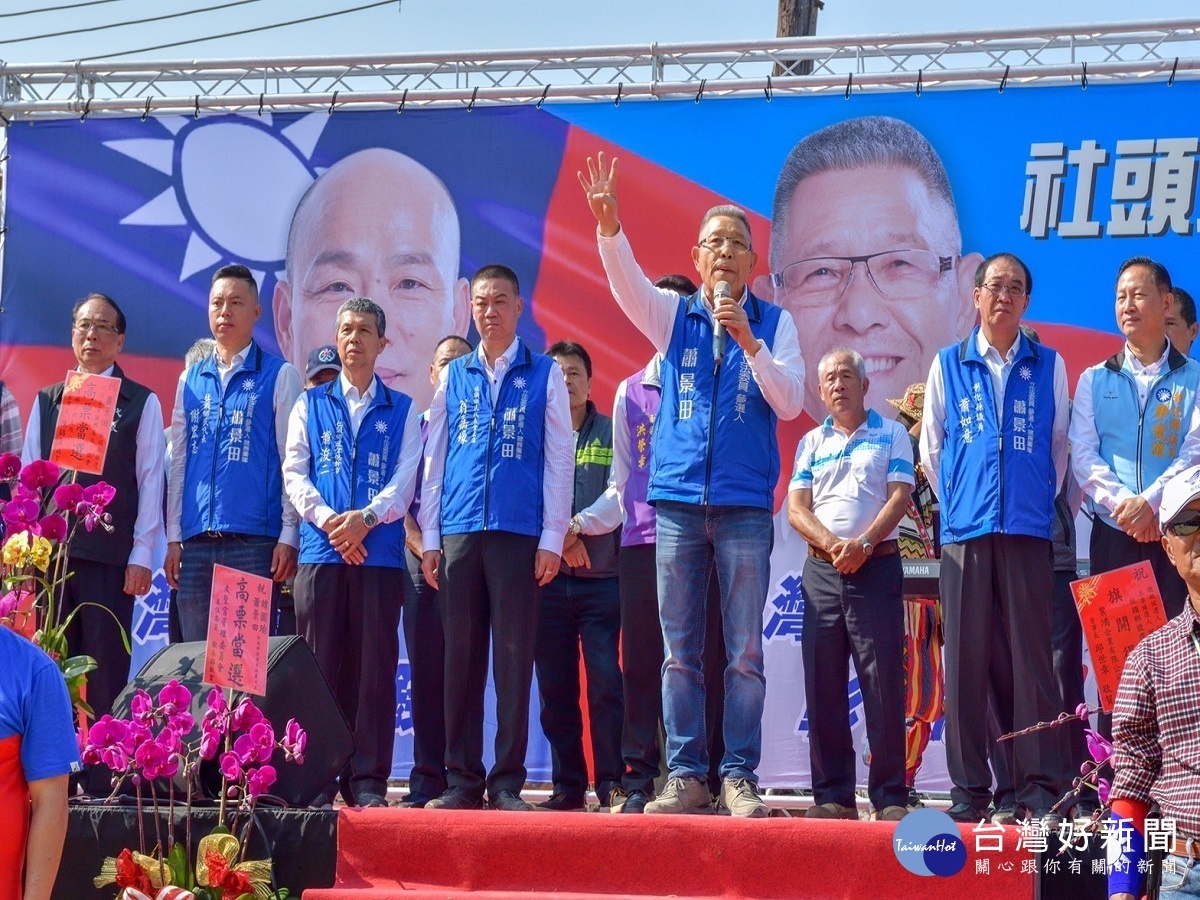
<point>1163,50</point>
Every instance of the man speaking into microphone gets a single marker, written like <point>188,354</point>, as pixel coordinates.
<point>731,366</point>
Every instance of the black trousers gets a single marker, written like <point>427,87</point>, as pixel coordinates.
<point>642,654</point>
<point>579,612</point>
<point>487,590</point>
<point>997,596</point>
<point>426,647</point>
<point>94,632</point>
<point>350,618</point>
<point>859,617</point>
<point>1112,548</point>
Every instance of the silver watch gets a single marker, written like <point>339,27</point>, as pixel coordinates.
<point>868,547</point>
<point>369,518</point>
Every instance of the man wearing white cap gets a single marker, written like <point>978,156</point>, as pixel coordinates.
<point>1156,719</point>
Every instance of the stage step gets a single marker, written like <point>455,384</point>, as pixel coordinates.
<point>413,854</point>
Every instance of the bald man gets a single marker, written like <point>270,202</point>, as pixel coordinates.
<point>377,224</point>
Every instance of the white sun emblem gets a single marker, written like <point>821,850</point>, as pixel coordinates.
<point>381,427</point>
<point>248,385</point>
<point>519,383</point>
<point>1026,373</point>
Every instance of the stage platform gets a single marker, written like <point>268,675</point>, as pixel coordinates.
<point>414,854</point>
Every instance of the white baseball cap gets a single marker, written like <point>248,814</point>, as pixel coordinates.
<point>1179,492</point>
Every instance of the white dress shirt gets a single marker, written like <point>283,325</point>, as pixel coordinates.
<point>558,461</point>
<point>1097,479</point>
<point>393,499</point>
<point>779,373</point>
<point>148,525</point>
<point>287,389</point>
<point>933,432</point>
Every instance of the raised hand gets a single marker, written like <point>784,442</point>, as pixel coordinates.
<point>600,186</point>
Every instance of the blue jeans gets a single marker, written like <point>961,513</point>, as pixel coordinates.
<point>245,552</point>
<point>691,541</point>
<point>1180,878</point>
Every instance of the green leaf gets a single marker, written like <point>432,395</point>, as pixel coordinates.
<point>78,665</point>
<point>180,871</point>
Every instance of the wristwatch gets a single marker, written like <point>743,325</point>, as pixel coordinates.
<point>868,547</point>
<point>371,520</point>
<point>576,525</point>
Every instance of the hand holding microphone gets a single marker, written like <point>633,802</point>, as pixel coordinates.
<point>720,292</point>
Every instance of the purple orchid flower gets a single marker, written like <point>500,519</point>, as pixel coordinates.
<point>294,742</point>
<point>257,745</point>
<point>260,781</point>
<point>68,496</point>
<point>52,527</point>
<point>231,766</point>
<point>10,467</point>
<point>39,474</point>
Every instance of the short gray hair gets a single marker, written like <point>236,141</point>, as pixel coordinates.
<point>364,305</point>
<point>728,211</point>
<point>199,351</point>
<point>855,144</point>
<point>854,356</point>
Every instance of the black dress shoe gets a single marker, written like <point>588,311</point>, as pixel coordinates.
<point>413,800</point>
<point>371,800</point>
<point>1050,819</point>
<point>509,801</point>
<point>561,801</point>
<point>636,802</point>
<point>965,812</point>
<point>456,798</point>
<point>321,801</point>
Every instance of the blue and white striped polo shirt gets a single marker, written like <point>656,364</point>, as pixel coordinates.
<point>849,475</point>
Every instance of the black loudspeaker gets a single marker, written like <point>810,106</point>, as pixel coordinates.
<point>295,689</point>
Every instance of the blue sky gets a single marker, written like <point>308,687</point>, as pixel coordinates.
<point>432,25</point>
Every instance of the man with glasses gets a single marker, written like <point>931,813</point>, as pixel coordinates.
<point>714,464</point>
<point>994,442</point>
<point>866,252</point>
<point>108,568</point>
<point>1136,425</point>
<point>1156,719</point>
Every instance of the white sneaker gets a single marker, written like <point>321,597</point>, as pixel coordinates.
<point>682,795</point>
<point>740,797</point>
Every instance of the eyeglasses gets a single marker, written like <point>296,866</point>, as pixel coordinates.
<point>717,244</point>
<point>1014,291</point>
<point>103,329</point>
<point>896,274</point>
<point>1184,529</point>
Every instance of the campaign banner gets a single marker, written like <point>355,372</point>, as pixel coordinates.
<point>405,208</point>
<point>1117,609</point>
<point>85,422</point>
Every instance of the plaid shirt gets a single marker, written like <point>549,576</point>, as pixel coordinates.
<point>10,423</point>
<point>1156,723</point>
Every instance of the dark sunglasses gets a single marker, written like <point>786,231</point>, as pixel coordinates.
<point>1184,529</point>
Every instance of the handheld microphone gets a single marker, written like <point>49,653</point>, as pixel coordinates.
<point>720,292</point>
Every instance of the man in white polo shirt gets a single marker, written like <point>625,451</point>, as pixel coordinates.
<point>849,490</point>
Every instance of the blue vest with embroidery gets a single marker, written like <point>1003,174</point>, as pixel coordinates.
<point>348,471</point>
<point>232,479</point>
<point>997,479</point>
<point>494,456</point>
<point>1139,456</point>
<point>721,453</point>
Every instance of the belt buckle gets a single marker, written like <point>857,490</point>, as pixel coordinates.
<point>214,535</point>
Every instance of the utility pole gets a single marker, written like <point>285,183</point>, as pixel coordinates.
<point>797,18</point>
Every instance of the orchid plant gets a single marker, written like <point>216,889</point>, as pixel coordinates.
<point>154,744</point>
<point>42,515</point>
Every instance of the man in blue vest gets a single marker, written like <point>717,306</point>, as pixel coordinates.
<point>731,366</point>
<point>225,497</point>
<point>1136,425</point>
<point>494,511</point>
<point>352,453</point>
<point>994,442</point>
<point>109,568</point>
<point>582,607</point>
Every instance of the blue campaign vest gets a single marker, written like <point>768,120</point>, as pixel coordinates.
<point>715,454</point>
<point>993,485</point>
<point>349,471</point>
<point>1138,456</point>
<point>493,479</point>
<point>232,479</point>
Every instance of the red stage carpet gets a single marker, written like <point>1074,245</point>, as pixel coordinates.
<point>418,854</point>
